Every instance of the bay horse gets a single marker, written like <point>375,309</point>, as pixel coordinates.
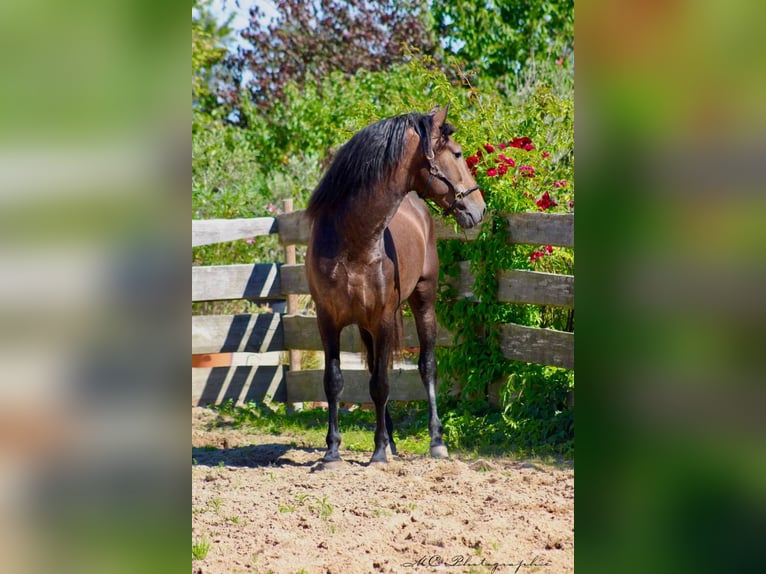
<point>373,246</point>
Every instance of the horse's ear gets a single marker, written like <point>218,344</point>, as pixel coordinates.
<point>440,116</point>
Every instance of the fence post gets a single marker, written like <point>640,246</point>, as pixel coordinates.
<point>292,300</point>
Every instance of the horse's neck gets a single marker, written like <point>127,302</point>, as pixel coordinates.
<point>364,222</point>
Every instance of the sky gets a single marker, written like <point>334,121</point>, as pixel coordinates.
<point>223,8</point>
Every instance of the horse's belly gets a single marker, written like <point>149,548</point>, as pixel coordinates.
<point>412,232</point>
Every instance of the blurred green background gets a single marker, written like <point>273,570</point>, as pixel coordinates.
<point>94,187</point>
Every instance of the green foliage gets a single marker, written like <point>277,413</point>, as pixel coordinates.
<point>511,45</point>
<point>536,407</point>
<point>208,51</point>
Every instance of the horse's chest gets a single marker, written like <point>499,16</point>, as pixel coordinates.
<point>359,287</point>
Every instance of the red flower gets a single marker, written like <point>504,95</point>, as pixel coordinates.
<point>502,146</point>
<point>571,204</point>
<point>472,161</point>
<point>562,183</point>
<point>521,142</point>
<point>527,170</point>
<point>529,146</point>
<point>489,147</point>
<point>545,202</point>
<point>502,169</point>
<point>536,255</point>
<point>549,249</point>
<point>507,160</point>
<point>491,172</point>
<point>546,154</point>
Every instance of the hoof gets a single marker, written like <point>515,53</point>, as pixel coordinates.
<point>379,459</point>
<point>439,451</point>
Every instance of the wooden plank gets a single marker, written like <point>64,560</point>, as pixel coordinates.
<point>257,333</point>
<point>520,286</point>
<point>536,288</point>
<point>242,384</point>
<point>208,231</point>
<point>541,346</point>
<point>219,282</point>
<point>541,228</point>
<point>294,228</point>
<point>308,386</point>
<point>293,279</point>
<point>245,359</point>
<point>446,228</point>
<point>211,359</point>
<point>302,332</point>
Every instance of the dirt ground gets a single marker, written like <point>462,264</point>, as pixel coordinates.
<point>264,504</point>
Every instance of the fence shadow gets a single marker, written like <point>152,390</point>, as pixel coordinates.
<point>253,456</point>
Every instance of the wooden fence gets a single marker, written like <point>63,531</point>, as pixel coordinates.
<point>257,340</point>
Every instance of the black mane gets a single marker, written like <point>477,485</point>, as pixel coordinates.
<point>367,159</point>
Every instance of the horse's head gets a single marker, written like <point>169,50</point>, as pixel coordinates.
<point>446,178</point>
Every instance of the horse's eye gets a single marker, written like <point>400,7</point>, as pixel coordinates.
<point>458,154</point>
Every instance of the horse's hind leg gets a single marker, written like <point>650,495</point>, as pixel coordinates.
<point>333,384</point>
<point>422,305</point>
<point>368,344</point>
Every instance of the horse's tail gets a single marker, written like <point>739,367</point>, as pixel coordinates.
<point>397,338</point>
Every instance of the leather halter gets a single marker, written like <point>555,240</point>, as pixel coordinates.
<point>436,172</point>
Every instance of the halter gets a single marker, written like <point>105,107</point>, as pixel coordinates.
<point>436,172</point>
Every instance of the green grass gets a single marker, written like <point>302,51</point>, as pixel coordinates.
<point>200,548</point>
<point>215,504</point>
<point>357,426</point>
<point>322,508</point>
<point>466,433</point>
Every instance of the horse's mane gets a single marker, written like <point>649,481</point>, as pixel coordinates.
<point>367,159</point>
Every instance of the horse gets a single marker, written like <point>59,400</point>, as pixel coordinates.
<point>372,246</point>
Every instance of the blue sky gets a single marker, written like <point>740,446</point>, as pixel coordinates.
<point>223,8</point>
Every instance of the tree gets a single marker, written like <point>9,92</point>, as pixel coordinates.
<point>313,39</point>
<point>504,39</point>
<point>209,51</point>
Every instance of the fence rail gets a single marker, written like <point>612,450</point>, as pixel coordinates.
<point>261,335</point>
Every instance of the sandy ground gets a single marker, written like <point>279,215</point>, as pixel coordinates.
<point>265,505</point>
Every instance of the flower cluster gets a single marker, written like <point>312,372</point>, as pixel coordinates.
<point>522,143</point>
<point>502,162</point>
<point>545,202</point>
<point>535,255</point>
<point>495,161</point>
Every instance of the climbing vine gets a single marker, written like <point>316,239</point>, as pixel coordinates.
<point>528,170</point>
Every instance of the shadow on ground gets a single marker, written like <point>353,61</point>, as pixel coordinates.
<point>252,456</point>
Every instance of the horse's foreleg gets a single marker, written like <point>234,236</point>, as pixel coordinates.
<point>422,306</point>
<point>369,346</point>
<point>333,386</point>
<point>379,387</point>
